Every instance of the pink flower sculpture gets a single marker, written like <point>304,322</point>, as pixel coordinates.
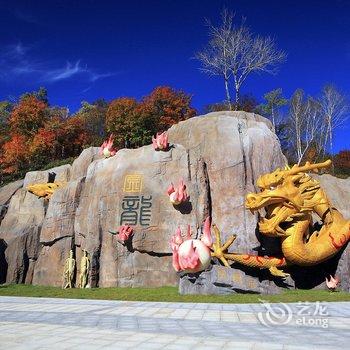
<point>160,142</point>
<point>107,148</point>
<point>191,255</point>
<point>332,283</point>
<point>178,195</point>
<point>124,233</point>
<point>206,237</point>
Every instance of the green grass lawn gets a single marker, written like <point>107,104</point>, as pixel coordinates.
<point>167,294</point>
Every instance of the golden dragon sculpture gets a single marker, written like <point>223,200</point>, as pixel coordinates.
<point>45,190</point>
<point>290,196</point>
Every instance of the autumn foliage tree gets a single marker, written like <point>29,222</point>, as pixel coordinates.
<point>43,146</point>
<point>93,116</point>
<point>133,123</point>
<point>28,116</point>
<point>247,103</point>
<point>342,162</point>
<point>34,134</point>
<point>73,137</point>
<point>121,119</point>
<point>165,107</point>
<point>15,154</point>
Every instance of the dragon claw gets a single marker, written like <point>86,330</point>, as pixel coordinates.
<point>220,249</point>
<point>278,273</point>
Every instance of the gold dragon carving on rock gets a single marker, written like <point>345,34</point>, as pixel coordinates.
<point>290,197</point>
<point>45,190</point>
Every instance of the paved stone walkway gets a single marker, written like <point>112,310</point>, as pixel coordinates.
<point>37,323</point>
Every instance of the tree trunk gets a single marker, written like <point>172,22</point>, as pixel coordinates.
<point>331,143</point>
<point>298,140</point>
<point>228,97</point>
<point>237,98</point>
<point>326,137</point>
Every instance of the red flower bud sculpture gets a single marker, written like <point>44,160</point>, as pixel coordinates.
<point>332,283</point>
<point>160,142</point>
<point>178,195</point>
<point>107,149</point>
<point>123,234</point>
<point>191,255</point>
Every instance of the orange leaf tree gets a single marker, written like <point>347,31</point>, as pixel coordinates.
<point>43,147</point>
<point>342,162</point>
<point>28,116</point>
<point>15,154</point>
<point>133,123</point>
<point>164,107</point>
<point>121,119</point>
<point>73,137</point>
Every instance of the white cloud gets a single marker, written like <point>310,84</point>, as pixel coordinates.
<point>66,72</point>
<point>16,62</point>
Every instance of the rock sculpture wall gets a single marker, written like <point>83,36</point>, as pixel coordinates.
<point>219,156</point>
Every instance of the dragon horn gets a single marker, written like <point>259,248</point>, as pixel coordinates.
<point>307,167</point>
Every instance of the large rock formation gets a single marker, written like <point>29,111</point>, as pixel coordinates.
<point>338,192</point>
<point>219,156</point>
<point>20,229</point>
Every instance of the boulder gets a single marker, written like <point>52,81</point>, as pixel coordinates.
<point>130,188</point>
<point>57,234</point>
<point>81,164</point>
<point>236,148</point>
<point>219,156</point>
<point>20,229</point>
<point>222,280</point>
<point>19,232</point>
<point>29,254</point>
<point>338,192</point>
<point>60,173</point>
<point>48,269</point>
<point>6,192</point>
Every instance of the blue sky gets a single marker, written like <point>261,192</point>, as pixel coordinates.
<point>84,50</point>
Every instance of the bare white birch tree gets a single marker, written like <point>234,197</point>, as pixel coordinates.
<point>250,55</point>
<point>215,58</point>
<point>307,124</point>
<point>296,116</point>
<point>234,52</point>
<point>334,107</point>
<point>313,128</point>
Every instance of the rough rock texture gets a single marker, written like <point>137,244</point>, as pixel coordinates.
<point>219,156</point>
<point>81,164</point>
<point>147,260</point>
<point>57,234</point>
<point>6,192</point>
<point>21,226</point>
<point>35,235</point>
<point>221,280</point>
<point>338,192</point>
<point>237,148</point>
<point>61,173</point>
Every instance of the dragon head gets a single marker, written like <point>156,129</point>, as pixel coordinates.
<point>284,193</point>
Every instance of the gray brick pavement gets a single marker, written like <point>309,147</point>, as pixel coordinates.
<point>33,323</point>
